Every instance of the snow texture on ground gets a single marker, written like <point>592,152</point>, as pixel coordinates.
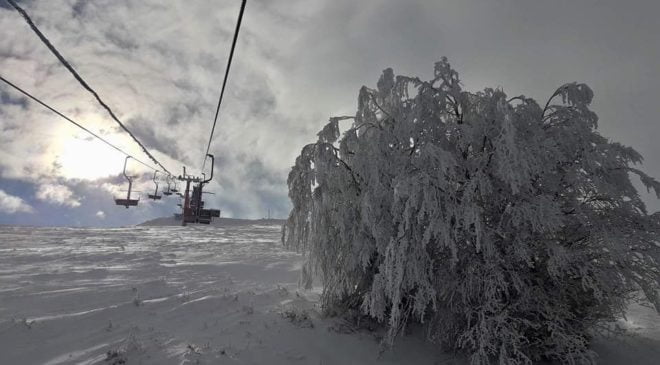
<point>194,295</point>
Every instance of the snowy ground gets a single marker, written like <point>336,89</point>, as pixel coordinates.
<point>194,295</point>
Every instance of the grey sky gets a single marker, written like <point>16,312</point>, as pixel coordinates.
<point>160,64</point>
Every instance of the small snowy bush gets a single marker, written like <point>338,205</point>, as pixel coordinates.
<point>509,229</point>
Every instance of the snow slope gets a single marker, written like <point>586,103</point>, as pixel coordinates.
<point>217,222</point>
<point>193,295</point>
<point>167,295</point>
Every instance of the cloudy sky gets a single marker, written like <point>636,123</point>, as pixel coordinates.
<point>159,64</point>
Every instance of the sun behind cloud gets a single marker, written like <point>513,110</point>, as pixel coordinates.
<point>88,159</point>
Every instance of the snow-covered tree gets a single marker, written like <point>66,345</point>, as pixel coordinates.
<point>509,229</point>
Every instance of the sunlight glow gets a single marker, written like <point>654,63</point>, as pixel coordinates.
<point>87,159</point>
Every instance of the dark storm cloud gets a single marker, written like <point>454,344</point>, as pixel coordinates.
<point>78,7</point>
<point>260,101</point>
<point>260,176</point>
<point>121,38</point>
<point>5,5</point>
<point>154,136</point>
<point>7,98</point>
<point>184,112</point>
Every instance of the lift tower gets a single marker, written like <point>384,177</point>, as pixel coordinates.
<point>193,205</point>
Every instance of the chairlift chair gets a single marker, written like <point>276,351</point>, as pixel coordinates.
<point>128,202</point>
<point>169,191</point>
<point>155,195</point>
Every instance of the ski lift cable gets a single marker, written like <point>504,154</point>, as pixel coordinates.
<point>224,82</point>
<point>84,84</point>
<point>72,121</point>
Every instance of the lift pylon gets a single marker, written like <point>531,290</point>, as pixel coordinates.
<point>193,206</point>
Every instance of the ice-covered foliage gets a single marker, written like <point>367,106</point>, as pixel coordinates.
<point>510,230</point>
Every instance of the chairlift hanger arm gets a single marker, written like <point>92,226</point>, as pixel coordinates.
<point>129,178</point>
<point>212,164</point>
<point>128,202</point>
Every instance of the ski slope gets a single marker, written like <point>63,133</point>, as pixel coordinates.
<point>194,295</point>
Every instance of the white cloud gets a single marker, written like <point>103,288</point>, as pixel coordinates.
<point>113,189</point>
<point>57,194</point>
<point>298,62</point>
<point>100,214</point>
<point>13,204</point>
